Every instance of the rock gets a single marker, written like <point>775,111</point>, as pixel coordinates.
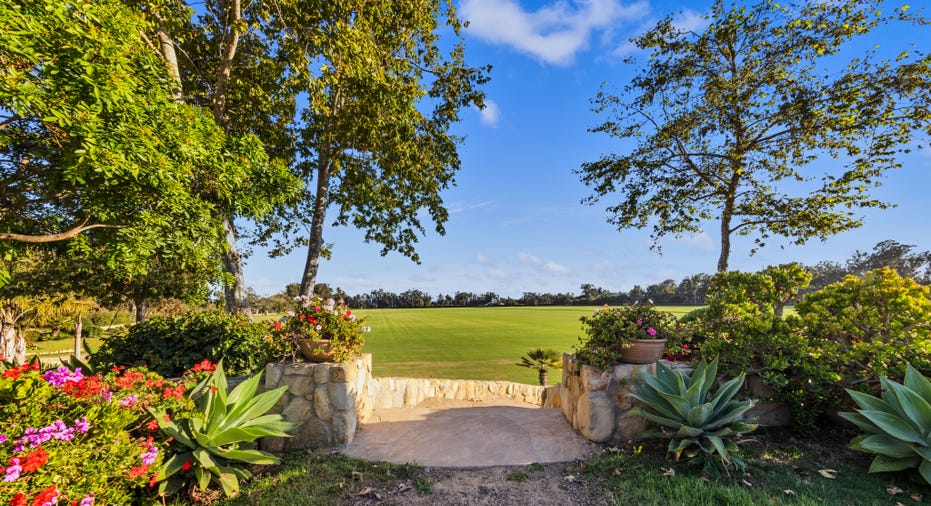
<point>272,444</point>
<point>297,410</point>
<point>770,414</point>
<point>321,374</point>
<point>272,375</point>
<point>322,403</point>
<point>340,397</point>
<point>298,385</point>
<point>344,428</point>
<point>595,415</point>
<point>313,433</point>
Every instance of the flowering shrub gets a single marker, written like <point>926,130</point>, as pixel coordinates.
<point>316,320</point>
<point>64,437</point>
<point>67,437</point>
<point>611,329</point>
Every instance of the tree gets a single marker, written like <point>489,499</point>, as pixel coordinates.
<point>728,121</point>
<point>230,69</point>
<point>895,255</point>
<point>542,360</point>
<point>374,137</point>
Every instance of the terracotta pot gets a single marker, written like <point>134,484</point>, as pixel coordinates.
<point>643,351</point>
<point>316,351</point>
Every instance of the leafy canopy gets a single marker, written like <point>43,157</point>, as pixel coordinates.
<point>725,124</point>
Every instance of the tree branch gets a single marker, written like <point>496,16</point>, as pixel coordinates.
<point>62,236</point>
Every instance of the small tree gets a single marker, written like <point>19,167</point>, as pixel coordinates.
<point>542,360</point>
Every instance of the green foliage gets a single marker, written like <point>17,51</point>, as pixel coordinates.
<point>700,421</point>
<point>383,94</point>
<point>611,329</point>
<point>170,345</point>
<point>317,320</point>
<point>219,442</point>
<point>896,426</point>
<point>727,119</point>
<point>741,327</point>
<point>878,322</point>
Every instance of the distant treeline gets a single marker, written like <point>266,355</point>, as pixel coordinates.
<point>688,291</point>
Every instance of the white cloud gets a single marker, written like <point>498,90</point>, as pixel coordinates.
<point>461,207</point>
<point>527,258</point>
<point>490,114</point>
<point>553,33</point>
<point>701,241</point>
<point>482,258</point>
<point>555,268</point>
<point>690,21</point>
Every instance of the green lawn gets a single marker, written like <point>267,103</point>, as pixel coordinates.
<point>470,343</point>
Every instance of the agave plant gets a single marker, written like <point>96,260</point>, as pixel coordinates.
<point>897,425</point>
<point>699,424</point>
<point>219,442</point>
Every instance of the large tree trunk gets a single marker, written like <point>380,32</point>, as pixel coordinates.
<point>142,307</point>
<point>726,235</point>
<point>235,293</point>
<point>78,337</point>
<point>12,344</point>
<point>321,201</point>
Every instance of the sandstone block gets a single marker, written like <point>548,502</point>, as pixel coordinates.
<point>595,414</point>
<point>321,374</point>
<point>340,397</point>
<point>312,433</point>
<point>344,428</point>
<point>322,403</point>
<point>272,375</point>
<point>297,410</point>
<point>298,385</point>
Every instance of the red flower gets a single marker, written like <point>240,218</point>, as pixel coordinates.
<point>277,325</point>
<point>154,480</point>
<point>302,316</point>
<point>138,471</point>
<point>186,466</point>
<point>152,426</point>
<point>18,500</point>
<point>34,460</point>
<point>46,496</point>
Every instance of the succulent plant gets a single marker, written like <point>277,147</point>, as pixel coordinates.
<point>700,424</point>
<point>897,426</point>
<point>217,444</point>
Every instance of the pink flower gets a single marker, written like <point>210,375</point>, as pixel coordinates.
<point>12,472</point>
<point>651,331</point>
<point>639,322</point>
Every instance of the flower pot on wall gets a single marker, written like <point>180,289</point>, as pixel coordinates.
<point>316,350</point>
<point>643,351</point>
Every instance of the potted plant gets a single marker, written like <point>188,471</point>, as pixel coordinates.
<point>635,334</point>
<point>320,331</point>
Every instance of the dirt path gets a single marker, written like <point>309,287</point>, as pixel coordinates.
<point>556,484</point>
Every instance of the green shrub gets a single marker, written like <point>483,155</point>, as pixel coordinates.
<point>879,322</point>
<point>169,345</point>
<point>742,328</point>
<point>700,421</point>
<point>896,426</point>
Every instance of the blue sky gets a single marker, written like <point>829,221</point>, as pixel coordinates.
<point>516,223</point>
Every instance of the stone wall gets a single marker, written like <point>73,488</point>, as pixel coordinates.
<point>596,403</point>
<point>409,392</point>
<point>327,401</point>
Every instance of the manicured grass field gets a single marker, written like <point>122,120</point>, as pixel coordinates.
<point>471,343</point>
